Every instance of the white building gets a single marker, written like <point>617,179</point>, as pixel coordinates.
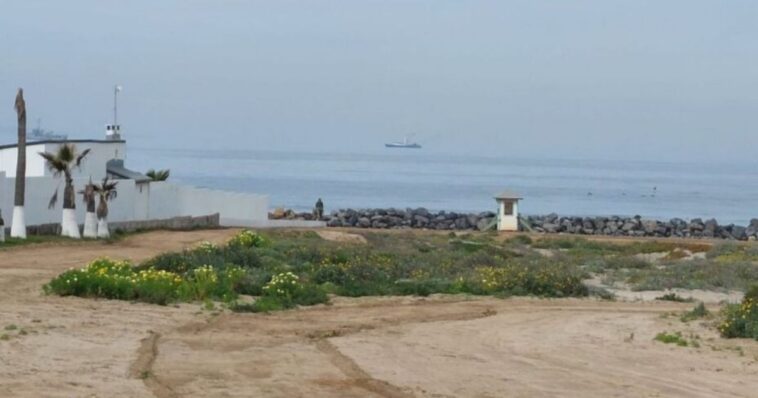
<point>507,213</point>
<point>138,197</point>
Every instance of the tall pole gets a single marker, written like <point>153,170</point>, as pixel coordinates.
<point>116,89</point>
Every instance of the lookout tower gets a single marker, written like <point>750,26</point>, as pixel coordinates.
<point>507,213</point>
<point>113,131</point>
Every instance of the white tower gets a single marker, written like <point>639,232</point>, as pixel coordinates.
<point>113,131</point>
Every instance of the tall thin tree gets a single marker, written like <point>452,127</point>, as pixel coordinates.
<point>18,226</point>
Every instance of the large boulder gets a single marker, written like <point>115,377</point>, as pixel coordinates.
<point>739,232</point>
<point>649,226</point>
<point>484,223</point>
<point>420,220</point>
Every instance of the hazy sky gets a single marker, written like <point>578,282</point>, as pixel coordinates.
<point>673,79</point>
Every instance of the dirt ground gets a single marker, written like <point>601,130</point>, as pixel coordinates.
<point>444,346</point>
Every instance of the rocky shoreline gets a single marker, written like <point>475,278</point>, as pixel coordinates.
<point>552,223</point>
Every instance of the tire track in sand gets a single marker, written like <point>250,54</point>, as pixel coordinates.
<point>142,367</point>
<point>358,376</point>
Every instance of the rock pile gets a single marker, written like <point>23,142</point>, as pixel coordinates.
<point>551,223</point>
<point>409,218</point>
<point>637,226</point>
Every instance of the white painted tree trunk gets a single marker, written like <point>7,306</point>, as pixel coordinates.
<point>90,225</point>
<point>18,225</point>
<point>69,226</point>
<point>102,228</point>
<point>2,233</point>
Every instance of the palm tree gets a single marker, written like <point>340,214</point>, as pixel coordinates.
<point>159,175</point>
<point>62,163</point>
<point>90,219</point>
<point>106,191</point>
<point>18,226</point>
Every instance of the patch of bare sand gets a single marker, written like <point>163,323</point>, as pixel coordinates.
<point>547,349</point>
<point>366,347</point>
<point>74,347</point>
<point>339,236</point>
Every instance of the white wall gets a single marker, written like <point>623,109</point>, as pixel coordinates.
<point>35,165</point>
<point>94,165</point>
<point>135,202</point>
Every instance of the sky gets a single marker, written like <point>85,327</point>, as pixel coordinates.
<point>590,79</point>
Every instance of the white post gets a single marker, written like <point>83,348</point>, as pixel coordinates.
<point>69,226</point>
<point>90,225</point>
<point>18,225</point>
<point>102,229</point>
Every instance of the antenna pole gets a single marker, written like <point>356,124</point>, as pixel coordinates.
<point>115,106</point>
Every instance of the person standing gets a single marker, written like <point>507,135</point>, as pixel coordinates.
<point>319,210</point>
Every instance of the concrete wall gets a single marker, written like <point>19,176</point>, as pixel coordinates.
<point>94,165</point>
<point>175,223</point>
<point>147,201</point>
<point>35,165</point>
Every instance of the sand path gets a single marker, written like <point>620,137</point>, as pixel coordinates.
<point>367,347</point>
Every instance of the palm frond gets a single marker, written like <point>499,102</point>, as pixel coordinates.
<point>159,175</point>
<point>66,153</point>
<point>53,200</point>
<point>81,157</point>
<point>107,189</point>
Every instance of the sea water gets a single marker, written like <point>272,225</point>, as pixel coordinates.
<point>404,178</point>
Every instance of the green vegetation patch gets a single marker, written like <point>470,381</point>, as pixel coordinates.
<point>119,280</point>
<point>698,312</point>
<point>678,339</point>
<point>284,269</point>
<point>741,320</point>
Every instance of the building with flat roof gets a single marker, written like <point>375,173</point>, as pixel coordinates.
<point>139,198</point>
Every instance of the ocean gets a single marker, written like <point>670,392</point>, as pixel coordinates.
<point>404,178</point>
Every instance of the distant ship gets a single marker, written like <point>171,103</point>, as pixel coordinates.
<point>404,144</point>
<point>44,135</point>
<point>38,134</point>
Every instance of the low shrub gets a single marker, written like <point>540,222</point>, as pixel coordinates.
<point>106,278</point>
<point>741,320</point>
<point>696,313</point>
<point>675,297</point>
<point>283,291</point>
<point>248,239</point>
<point>521,239</point>
<point>540,279</point>
<point>671,338</point>
<point>694,274</point>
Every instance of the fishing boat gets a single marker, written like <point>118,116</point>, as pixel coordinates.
<point>403,144</point>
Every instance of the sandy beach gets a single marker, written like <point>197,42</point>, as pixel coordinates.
<point>439,346</point>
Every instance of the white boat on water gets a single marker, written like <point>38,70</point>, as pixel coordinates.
<point>403,144</point>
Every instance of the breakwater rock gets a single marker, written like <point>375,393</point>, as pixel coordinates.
<point>398,218</point>
<point>551,223</point>
<point>638,226</point>
<point>410,218</point>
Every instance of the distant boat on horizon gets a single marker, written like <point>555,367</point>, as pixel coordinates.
<point>44,135</point>
<point>403,144</point>
<point>39,134</point>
